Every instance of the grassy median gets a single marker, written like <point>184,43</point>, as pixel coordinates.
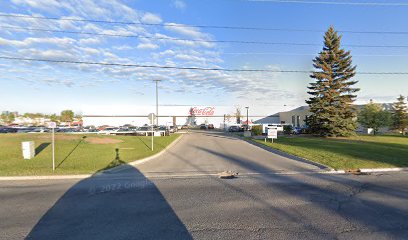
<point>74,154</point>
<point>347,153</point>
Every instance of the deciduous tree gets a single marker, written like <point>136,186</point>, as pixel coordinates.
<point>374,116</point>
<point>54,118</point>
<point>238,114</point>
<point>67,116</point>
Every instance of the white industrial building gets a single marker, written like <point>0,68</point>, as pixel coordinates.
<point>181,115</point>
<point>195,115</point>
<point>168,115</point>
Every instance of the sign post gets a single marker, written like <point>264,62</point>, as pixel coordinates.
<point>272,133</point>
<point>53,125</point>
<point>152,116</point>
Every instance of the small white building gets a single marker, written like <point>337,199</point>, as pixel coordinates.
<point>295,117</point>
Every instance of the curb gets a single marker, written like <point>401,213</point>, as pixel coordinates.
<point>49,177</point>
<point>82,176</point>
<point>369,170</point>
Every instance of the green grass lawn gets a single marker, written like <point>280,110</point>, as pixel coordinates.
<point>347,153</point>
<point>74,154</point>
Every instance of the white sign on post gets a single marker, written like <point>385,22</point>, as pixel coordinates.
<point>152,116</point>
<point>272,133</point>
<point>53,125</point>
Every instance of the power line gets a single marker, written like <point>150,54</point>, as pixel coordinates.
<point>174,25</point>
<point>309,54</point>
<point>186,68</point>
<point>199,40</point>
<point>384,4</point>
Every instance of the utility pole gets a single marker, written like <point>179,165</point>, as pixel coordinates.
<point>157,101</point>
<point>247,126</point>
<point>224,123</point>
<point>53,149</point>
<point>152,133</point>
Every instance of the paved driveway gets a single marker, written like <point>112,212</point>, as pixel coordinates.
<point>213,152</point>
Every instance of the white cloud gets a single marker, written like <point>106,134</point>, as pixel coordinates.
<point>114,49</point>
<point>185,30</point>
<point>190,58</point>
<point>68,25</point>
<point>145,46</point>
<point>47,54</point>
<point>64,42</point>
<point>54,81</point>
<point>183,42</point>
<point>90,41</point>
<point>123,47</point>
<point>165,53</point>
<point>90,51</point>
<point>46,5</point>
<point>31,41</point>
<point>151,18</point>
<point>179,4</point>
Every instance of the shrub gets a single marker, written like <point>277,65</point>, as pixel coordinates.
<point>288,129</point>
<point>257,130</point>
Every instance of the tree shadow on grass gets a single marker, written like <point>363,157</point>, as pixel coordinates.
<point>123,205</point>
<point>149,147</point>
<point>41,147</point>
<point>73,149</point>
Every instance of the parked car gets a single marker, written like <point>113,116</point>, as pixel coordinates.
<point>25,130</point>
<point>297,130</point>
<point>67,130</point>
<point>8,130</point>
<point>123,131</point>
<point>203,126</point>
<point>234,129</point>
<point>173,129</point>
<point>210,126</point>
<point>145,128</point>
<point>39,130</point>
<point>108,130</point>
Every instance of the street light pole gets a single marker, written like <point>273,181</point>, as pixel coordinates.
<point>224,123</point>
<point>247,126</point>
<point>157,102</point>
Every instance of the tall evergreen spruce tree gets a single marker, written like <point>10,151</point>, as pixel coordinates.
<point>332,92</point>
<point>400,115</point>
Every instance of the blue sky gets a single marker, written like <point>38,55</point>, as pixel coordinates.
<point>50,87</point>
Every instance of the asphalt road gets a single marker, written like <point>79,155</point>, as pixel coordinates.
<point>178,196</point>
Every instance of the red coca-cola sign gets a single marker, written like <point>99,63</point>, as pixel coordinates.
<point>207,111</point>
